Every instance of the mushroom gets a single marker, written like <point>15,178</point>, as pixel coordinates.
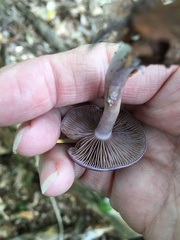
<point>107,139</point>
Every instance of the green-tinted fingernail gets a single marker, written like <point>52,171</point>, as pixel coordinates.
<point>48,181</point>
<point>18,138</point>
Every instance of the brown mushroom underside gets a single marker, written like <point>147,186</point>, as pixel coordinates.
<point>125,146</point>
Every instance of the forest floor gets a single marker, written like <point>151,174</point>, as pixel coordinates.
<point>24,212</point>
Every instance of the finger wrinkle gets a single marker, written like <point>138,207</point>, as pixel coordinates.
<point>65,89</point>
<point>170,73</point>
<point>54,94</point>
<point>80,74</point>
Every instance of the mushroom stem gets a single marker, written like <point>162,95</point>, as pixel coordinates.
<point>120,68</point>
<point>107,140</point>
<point>104,129</point>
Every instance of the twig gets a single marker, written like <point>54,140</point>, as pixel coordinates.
<point>46,32</point>
<point>58,217</point>
<point>112,216</point>
<point>4,58</point>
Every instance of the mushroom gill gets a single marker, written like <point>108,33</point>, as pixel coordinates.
<point>109,138</point>
<point>125,146</point>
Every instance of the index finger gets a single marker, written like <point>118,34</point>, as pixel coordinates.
<point>31,88</point>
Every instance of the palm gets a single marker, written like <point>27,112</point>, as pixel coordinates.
<point>147,194</point>
<point>149,191</point>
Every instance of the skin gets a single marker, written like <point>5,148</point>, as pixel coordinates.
<point>147,194</point>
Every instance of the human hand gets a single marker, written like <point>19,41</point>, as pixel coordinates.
<point>36,93</point>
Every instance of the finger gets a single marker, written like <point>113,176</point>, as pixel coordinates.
<point>163,110</point>
<point>38,135</point>
<point>57,171</point>
<point>33,87</point>
<point>100,182</point>
<point>145,83</point>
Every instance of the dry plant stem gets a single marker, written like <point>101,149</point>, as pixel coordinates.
<point>58,217</point>
<point>90,198</point>
<point>44,29</point>
<point>65,141</point>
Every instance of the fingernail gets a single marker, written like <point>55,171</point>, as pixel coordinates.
<point>17,139</point>
<point>50,167</point>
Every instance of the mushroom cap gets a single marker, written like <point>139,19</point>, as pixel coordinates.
<point>126,145</point>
